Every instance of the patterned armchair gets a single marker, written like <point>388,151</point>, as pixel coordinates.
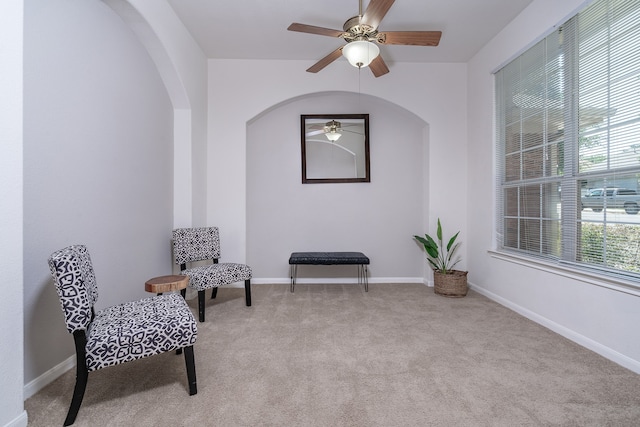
<point>117,334</point>
<point>202,244</point>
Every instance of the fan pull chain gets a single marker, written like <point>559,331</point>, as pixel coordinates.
<point>359,89</point>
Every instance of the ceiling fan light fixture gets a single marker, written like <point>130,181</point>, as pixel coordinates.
<point>333,136</point>
<point>360,53</point>
<point>332,130</point>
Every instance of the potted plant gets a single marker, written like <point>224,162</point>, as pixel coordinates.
<point>447,281</point>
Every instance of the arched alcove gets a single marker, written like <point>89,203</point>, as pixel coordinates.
<point>149,39</point>
<point>98,165</point>
<point>377,218</point>
<point>182,114</point>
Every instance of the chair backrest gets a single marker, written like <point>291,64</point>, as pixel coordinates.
<point>76,285</point>
<point>196,244</point>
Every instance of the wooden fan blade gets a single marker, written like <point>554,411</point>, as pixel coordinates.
<point>412,38</point>
<point>376,10</point>
<point>378,67</point>
<point>326,60</point>
<point>304,28</point>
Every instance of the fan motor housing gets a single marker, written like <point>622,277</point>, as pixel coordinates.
<point>355,30</point>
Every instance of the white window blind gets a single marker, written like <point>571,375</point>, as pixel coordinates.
<point>568,143</point>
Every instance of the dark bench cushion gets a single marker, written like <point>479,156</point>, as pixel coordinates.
<point>328,258</point>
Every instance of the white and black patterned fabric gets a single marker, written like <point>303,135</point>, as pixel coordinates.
<point>71,267</point>
<point>198,244</point>
<point>139,329</point>
<point>203,244</point>
<point>122,332</point>
<point>214,275</point>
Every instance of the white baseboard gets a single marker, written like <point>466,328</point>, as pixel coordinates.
<point>19,421</point>
<point>570,334</point>
<point>48,377</point>
<point>334,280</point>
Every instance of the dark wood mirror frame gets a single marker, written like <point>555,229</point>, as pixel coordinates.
<point>342,161</point>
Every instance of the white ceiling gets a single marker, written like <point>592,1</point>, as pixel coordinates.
<point>257,29</point>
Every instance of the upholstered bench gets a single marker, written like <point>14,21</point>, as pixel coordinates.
<point>330,258</point>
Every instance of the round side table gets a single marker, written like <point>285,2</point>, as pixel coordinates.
<point>170,283</point>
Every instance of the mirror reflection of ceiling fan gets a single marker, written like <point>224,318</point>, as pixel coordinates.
<point>332,129</point>
<point>361,33</point>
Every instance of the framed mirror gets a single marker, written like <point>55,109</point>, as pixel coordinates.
<point>335,148</point>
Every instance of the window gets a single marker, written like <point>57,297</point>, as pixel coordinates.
<point>568,143</point>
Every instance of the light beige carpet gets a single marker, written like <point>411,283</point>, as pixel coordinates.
<point>333,355</point>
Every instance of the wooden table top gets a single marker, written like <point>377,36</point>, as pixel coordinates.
<point>163,284</point>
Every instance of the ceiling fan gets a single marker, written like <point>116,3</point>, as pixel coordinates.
<point>332,129</point>
<point>361,32</point>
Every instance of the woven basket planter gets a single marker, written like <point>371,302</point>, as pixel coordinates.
<point>453,284</point>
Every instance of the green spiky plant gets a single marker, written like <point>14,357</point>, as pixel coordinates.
<point>441,260</point>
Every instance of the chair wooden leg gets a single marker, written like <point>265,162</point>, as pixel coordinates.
<point>183,292</point>
<point>82,374</point>
<point>247,291</point>
<point>201,305</point>
<point>214,292</point>
<point>191,370</point>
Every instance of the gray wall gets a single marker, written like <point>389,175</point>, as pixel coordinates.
<point>377,218</point>
<point>98,156</point>
<point>602,315</point>
<point>12,411</point>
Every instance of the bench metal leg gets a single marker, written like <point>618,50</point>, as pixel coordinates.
<point>293,272</point>
<point>363,276</point>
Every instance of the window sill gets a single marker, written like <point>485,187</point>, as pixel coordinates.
<point>617,284</point>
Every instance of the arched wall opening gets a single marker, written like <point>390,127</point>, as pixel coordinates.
<point>378,218</point>
<point>98,159</point>
<point>182,107</point>
<point>434,92</point>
